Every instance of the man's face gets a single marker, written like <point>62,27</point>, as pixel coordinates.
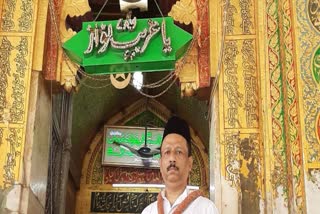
<point>175,165</point>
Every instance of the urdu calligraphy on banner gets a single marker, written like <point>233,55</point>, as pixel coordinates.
<point>120,202</point>
<point>128,45</point>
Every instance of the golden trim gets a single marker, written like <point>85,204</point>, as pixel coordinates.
<point>215,34</point>
<point>313,166</point>
<point>66,71</point>
<point>40,33</point>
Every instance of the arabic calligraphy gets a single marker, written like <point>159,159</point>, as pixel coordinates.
<point>121,202</point>
<point>165,41</point>
<point>131,175</point>
<point>102,37</point>
<point>133,137</point>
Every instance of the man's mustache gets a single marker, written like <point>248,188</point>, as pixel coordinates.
<point>172,165</point>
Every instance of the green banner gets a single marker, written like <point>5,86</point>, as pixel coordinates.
<point>102,49</point>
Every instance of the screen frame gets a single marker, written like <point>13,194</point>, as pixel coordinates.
<point>130,161</point>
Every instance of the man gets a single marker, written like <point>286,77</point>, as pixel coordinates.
<point>175,166</point>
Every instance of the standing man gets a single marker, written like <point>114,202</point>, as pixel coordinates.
<point>175,167</point>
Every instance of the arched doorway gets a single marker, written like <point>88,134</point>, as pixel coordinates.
<point>97,193</point>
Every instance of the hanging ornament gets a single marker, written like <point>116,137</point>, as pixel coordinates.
<point>120,81</point>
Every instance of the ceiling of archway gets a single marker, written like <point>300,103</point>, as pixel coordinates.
<point>92,108</point>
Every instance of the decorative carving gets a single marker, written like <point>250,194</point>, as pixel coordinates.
<point>67,71</point>
<point>314,13</point>
<point>97,170</point>
<point>91,164</point>
<point>121,202</point>
<point>10,11</point>
<point>230,16</point>
<point>69,83</point>
<point>12,157</point>
<point>232,144</point>
<point>5,52</point>
<point>279,170</point>
<point>184,12</point>
<point>17,25</point>
<point>52,51</point>
<point>25,21</point>
<point>293,138</point>
<point>149,113</point>
<point>203,28</point>
<point>58,67</point>
<point>17,109</point>
<point>18,85</point>
<point>188,67</point>
<point>53,46</point>
<point>21,57</point>
<point>250,83</point>
<point>231,86</point>
<point>8,15</point>
<point>246,24</point>
<point>71,8</point>
<point>188,89</point>
<point>197,176</point>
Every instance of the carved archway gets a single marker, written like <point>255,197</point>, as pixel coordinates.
<point>96,180</point>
